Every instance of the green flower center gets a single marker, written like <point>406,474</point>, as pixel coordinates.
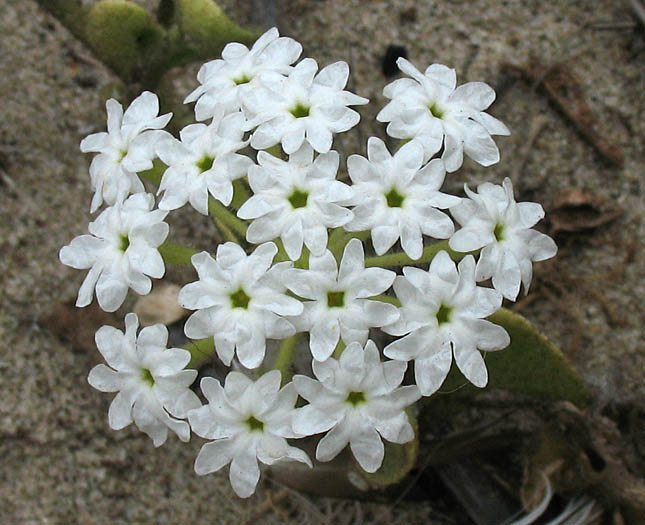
<point>355,398</point>
<point>436,112</point>
<point>125,242</point>
<point>444,314</point>
<point>205,163</point>
<point>300,110</point>
<point>499,232</point>
<point>239,299</point>
<point>244,79</point>
<point>298,199</point>
<point>122,154</point>
<point>335,299</point>
<point>394,198</point>
<point>146,375</point>
<point>255,425</point>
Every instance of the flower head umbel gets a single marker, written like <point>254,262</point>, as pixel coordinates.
<point>247,421</point>
<point>296,200</point>
<point>443,311</point>
<point>359,401</point>
<point>152,385</point>
<point>121,252</point>
<point>303,106</point>
<point>429,108</point>
<point>223,81</point>
<point>339,305</point>
<point>396,198</point>
<point>240,301</point>
<point>492,221</point>
<point>204,162</point>
<point>125,149</point>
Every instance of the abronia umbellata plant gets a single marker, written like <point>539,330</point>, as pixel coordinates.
<point>295,276</point>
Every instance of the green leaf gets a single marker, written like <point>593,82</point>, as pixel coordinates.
<point>532,364</point>
<point>206,29</point>
<point>126,37</point>
<point>398,461</point>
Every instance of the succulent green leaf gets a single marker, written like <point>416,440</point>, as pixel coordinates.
<point>530,365</point>
<point>398,460</point>
<point>206,29</point>
<point>125,36</point>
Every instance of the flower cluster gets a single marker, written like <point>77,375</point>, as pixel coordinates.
<point>306,270</point>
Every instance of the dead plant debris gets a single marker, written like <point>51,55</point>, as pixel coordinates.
<point>565,92</point>
<point>577,210</point>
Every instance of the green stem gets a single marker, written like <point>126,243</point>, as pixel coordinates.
<point>339,239</point>
<point>286,354</point>
<point>339,349</point>
<point>200,351</point>
<point>226,232</point>
<point>401,259</point>
<point>240,193</point>
<point>175,255</point>
<point>219,211</point>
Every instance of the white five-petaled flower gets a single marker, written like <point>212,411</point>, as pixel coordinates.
<point>359,400</point>
<point>120,252</point>
<point>248,421</point>
<point>240,301</point>
<point>442,311</point>
<point>126,149</point>
<point>240,69</point>
<point>493,221</point>
<point>303,106</point>
<point>396,198</point>
<point>428,108</point>
<point>152,385</point>
<point>205,161</point>
<point>296,200</point>
<point>338,305</point>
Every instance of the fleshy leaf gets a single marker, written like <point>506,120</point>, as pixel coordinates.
<point>530,365</point>
<point>125,36</point>
<point>397,463</point>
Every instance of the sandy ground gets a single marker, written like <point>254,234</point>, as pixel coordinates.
<point>60,463</point>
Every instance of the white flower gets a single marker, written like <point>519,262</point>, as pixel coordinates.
<point>303,106</point>
<point>428,108</point>
<point>338,305</point>
<point>240,301</point>
<point>120,252</point>
<point>125,149</point>
<point>442,311</point>
<point>396,198</point>
<point>224,80</point>
<point>248,421</point>
<point>493,221</point>
<point>295,200</point>
<point>205,161</point>
<point>150,379</point>
<point>359,398</point>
